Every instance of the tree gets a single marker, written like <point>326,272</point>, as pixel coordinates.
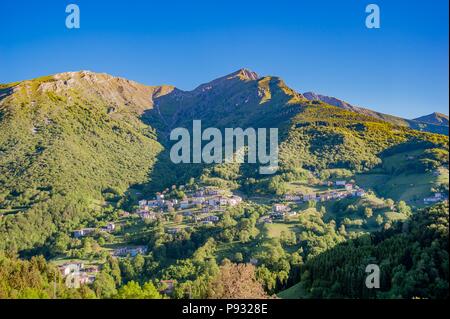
<point>104,285</point>
<point>404,209</point>
<point>236,281</point>
<point>178,218</point>
<point>368,212</point>
<point>132,290</point>
<point>61,244</point>
<point>379,219</point>
<point>238,257</point>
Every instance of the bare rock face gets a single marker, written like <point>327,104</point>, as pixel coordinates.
<point>119,92</point>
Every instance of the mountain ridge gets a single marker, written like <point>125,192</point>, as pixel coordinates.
<point>144,95</point>
<point>73,139</point>
<point>431,123</point>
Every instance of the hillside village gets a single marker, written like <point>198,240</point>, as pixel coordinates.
<point>202,207</point>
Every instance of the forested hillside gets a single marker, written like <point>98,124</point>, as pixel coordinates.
<point>413,259</point>
<point>67,143</point>
<point>80,152</point>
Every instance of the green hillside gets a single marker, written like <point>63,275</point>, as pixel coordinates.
<point>61,150</point>
<point>79,150</point>
<point>413,262</point>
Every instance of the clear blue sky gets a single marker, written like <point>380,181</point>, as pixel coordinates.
<point>320,45</point>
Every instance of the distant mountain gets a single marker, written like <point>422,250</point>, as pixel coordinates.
<point>434,118</point>
<point>434,123</point>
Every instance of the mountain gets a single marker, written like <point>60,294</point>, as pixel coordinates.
<point>434,123</point>
<point>75,144</point>
<point>434,118</point>
<point>67,143</point>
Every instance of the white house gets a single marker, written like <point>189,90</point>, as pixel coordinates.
<point>70,268</point>
<point>279,208</point>
<point>212,218</point>
<point>83,232</point>
<point>234,200</point>
<point>132,251</point>
<point>142,203</point>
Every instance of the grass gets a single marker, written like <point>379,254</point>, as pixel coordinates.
<point>394,216</point>
<point>294,292</point>
<point>411,188</point>
<point>274,230</point>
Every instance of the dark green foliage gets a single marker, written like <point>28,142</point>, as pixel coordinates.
<point>413,259</point>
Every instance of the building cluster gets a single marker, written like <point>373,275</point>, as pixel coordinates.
<point>279,212</point>
<point>343,190</point>
<point>76,274</point>
<point>83,232</point>
<point>132,251</point>
<point>206,199</point>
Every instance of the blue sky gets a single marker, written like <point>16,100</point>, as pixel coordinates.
<point>321,45</point>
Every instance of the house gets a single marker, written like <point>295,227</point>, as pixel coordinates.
<point>199,193</point>
<point>142,203</point>
<point>91,269</point>
<point>223,201</point>
<point>360,192</point>
<point>309,197</point>
<point>348,187</point>
<point>340,183</point>
<point>70,268</point>
<point>159,197</point>
<point>198,201</point>
<point>212,218</point>
<point>83,232</point>
<point>279,208</point>
<point>234,200</point>
<point>110,227</point>
<point>75,275</point>
<point>292,198</point>
<point>184,204</point>
<point>278,215</point>
<point>326,197</point>
<point>147,215</point>
<point>212,192</point>
<point>153,203</point>
<point>132,251</point>
<point>86,279</point>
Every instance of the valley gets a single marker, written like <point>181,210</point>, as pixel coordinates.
<point>88,190</point>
